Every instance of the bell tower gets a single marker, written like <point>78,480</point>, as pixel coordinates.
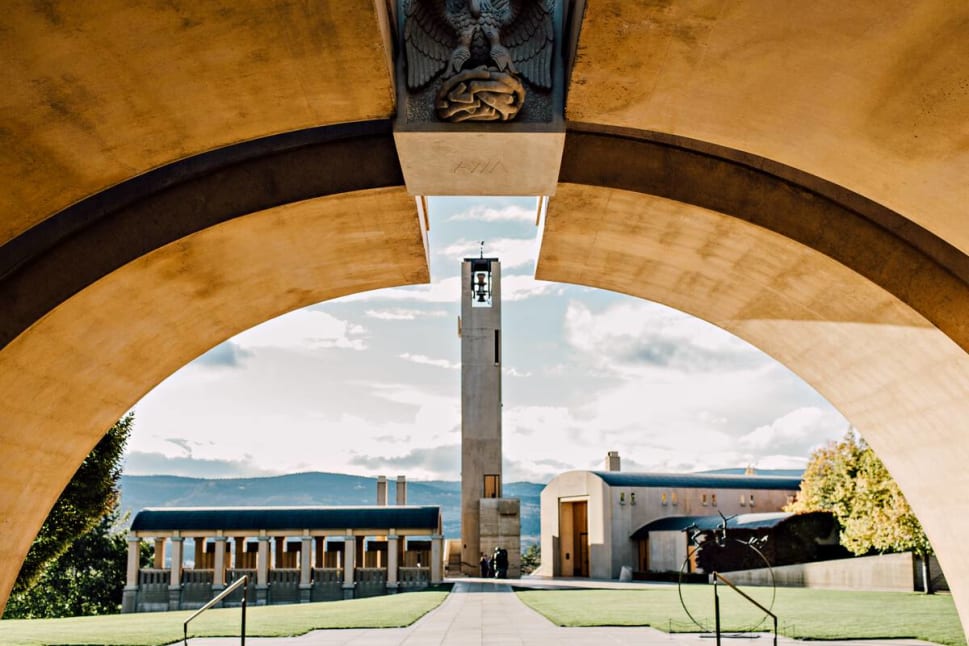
<point>487,519</point>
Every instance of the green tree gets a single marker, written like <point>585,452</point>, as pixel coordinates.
<point>87,579</point>
<point>531,559</point>
<point>847,479</point>
<point>90,496</point>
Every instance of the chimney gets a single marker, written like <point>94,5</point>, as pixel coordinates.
<point>401,490</point>
<point>612,461</point>
<point>381,491</point>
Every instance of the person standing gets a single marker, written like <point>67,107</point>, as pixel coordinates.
<point>501,563</point>
<point>485,566</point>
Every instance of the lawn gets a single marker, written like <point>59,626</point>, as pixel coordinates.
<point>154,629</point>
<point>805,614</point>
<point>802,613</point>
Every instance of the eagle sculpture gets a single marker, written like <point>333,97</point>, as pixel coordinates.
<point>512,36</point>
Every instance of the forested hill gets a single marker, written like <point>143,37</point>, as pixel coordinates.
<point>138,492</point>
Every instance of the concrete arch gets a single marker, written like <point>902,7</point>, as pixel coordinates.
<point>871,312</point>
<point>132,284</point>
<point>797,177</point>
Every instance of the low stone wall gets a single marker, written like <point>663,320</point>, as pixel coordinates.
<point>887,572</point>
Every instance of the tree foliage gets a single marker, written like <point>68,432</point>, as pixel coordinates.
<point>847,479</point>
<point>87,579</point>
<point>89,498</point>
<point>531,559</point>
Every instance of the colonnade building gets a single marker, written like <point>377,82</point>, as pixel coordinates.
<point>291,554</point>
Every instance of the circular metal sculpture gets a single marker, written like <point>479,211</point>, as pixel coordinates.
<point>699,540</point>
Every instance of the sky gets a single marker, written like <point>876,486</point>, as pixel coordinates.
<point>370,384</point>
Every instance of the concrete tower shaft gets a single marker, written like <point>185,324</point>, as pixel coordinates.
<point>480,399</point>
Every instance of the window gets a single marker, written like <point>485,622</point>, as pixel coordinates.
<point>751,502</point>
<point>497,347</point>
<point>703,499</point>
<point>673,497</point>
<point>713,499</point>
<point>743,500</point>
<point>492,486</point>
<point>662,499</point>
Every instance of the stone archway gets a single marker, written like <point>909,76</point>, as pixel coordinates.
<point>868,308</point>
<point>151,276</point>
<point>856,281</point>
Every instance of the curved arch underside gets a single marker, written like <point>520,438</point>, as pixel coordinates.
<point>176,174</point>
<point>80,366</point>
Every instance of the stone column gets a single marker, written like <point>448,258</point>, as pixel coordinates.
<point>349,562</point>
<point>401,490</point>
<point>262,571</point>
<point>305,561</point>
<point>159,558</point>
<point>218,571</point>
<point>436,564</point>
<point>129,599</point>
<point>175,583</point>
<point>392,562</point>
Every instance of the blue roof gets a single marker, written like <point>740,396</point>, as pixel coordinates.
<point>698,480</point>
<point>703,523</point>
<point>286,518</point>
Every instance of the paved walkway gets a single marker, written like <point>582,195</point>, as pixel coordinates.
<point>482,613</point>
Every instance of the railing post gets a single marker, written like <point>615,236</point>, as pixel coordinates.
<point>245,598</point>
<point>716,606</point>
<point>718,577</point>
<point>244,584</point>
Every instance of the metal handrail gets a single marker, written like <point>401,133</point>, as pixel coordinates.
<point>716,603</point>
<point>244,584</point>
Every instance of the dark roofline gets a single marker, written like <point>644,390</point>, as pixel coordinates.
<point>286,518</point>
<point>698,480</point>
<point>705,523</point>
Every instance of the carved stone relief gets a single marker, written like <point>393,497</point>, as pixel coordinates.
<point>478,56</point>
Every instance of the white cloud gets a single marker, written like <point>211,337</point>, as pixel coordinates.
<point>513,252</point>
<point>305,329</point>
<point>446,290</point>
<point>428,361</point>
<point>799,431</point>
<point>401,314</point>
<point>518,287</point>
<point>638,337</point>
<point>510,213</point>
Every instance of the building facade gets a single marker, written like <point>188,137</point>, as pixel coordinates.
<point>589,517</point>
<point>290,554</point>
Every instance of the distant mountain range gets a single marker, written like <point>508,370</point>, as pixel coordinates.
<point>331,489</point>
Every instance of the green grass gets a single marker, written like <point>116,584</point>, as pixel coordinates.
<point>802,613</point>
<point>805,614</point>
<point>154,629</point>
